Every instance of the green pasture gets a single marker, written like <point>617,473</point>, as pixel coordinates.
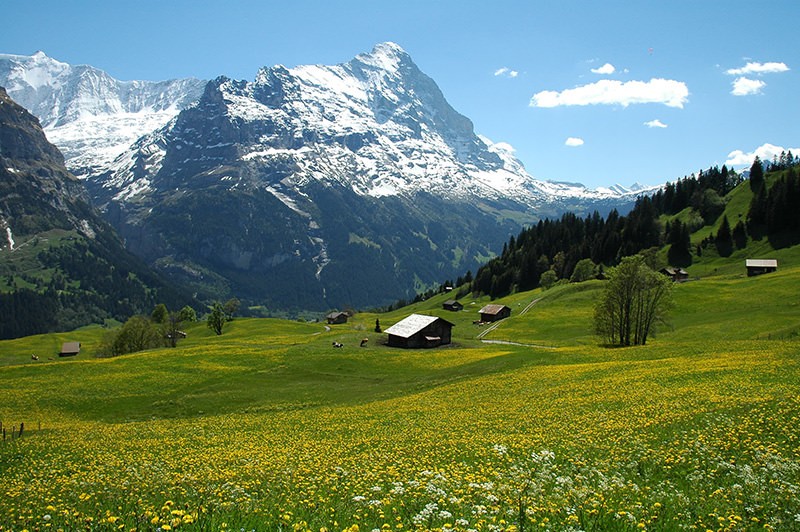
<point>269,427</point>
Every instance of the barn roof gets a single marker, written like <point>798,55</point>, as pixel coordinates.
<point>336,314</point>
<point>761,263</point>
<point>492,309</point>
<point>411,325</point>
<point>71,347</point>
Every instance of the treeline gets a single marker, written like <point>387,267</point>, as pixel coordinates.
<point>86,286</point>
<point>552,248</point>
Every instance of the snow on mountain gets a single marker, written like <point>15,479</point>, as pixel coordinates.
<point>89,115</point>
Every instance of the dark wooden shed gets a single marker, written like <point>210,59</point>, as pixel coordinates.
<point>335,318</point>
<point>676,274</point>
<point>452,305</point>
<point>419,330</point>
<point>760,266</point>
<point>494,312</point>
<point>70,349</point>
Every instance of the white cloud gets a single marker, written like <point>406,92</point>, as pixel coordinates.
<point>573,141</point>
<point>608,68</point>
<point>746,86</point>
<point>655,123</point>
<point>506,72</point>
<point>765,152</point>
<point>610,92</point>
<point>758,68</point>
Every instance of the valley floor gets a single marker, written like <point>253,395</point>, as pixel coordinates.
<point>269,428</point>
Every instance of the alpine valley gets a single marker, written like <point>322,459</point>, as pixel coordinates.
<point>308,188</point>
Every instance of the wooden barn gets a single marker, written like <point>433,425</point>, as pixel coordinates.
<point>760,266</point>
<point>335,318</point>
<point>452,305</point>
<point>676,274</point>
<point>418,330</point>
<point>494,312</point>
<point>70,349</point>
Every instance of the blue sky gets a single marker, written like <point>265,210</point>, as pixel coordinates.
<point>591,91</point>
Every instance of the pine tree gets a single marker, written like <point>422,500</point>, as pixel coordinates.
<point>756,175</point>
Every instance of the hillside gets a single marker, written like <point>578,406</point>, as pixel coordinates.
<point>696,429</point>
<point>701,223</point>
<point>61,265</point>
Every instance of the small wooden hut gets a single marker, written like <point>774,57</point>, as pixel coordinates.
<point>760,266</point>
<point>335,318</point>
<point>676,274</point>
<point>70,349</point>
<point>494,312</point>
<point>452,305</point>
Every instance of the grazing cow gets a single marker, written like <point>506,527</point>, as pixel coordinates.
<point>337,344</point>
<point>34,357</point>
<point>364,341</point>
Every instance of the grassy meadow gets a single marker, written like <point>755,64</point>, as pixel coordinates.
<point>268,427</point>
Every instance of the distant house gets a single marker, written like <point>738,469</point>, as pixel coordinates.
<point>760,266</point>
<point>418,330</point>
<point>452,305</point>
<point>676,274</point>
<point>494,312</point>
<point>335,318</point>
<point>70,349</point>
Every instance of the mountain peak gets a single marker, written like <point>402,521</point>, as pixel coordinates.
<point>386,56</point>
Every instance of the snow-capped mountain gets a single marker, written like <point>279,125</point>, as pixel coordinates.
<point>308,187</point>
<point>89,115</point>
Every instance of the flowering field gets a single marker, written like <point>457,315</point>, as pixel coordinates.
<point>268,428</point>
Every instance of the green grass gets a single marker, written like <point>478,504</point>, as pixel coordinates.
<point>268,426</point>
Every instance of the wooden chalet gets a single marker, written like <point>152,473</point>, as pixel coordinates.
<point>760,266</point>
<point>494,312</point>
<point>335,318</point>
<point>676,274</point>
<point>70,349</point>
<point>419,330</point>
<point>452,305</point>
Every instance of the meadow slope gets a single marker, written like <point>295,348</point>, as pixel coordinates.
<point>267,427</point>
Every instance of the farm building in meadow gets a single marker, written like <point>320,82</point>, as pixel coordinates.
<point>70,349</point>
<point>760,266</point>
<point>335,318</point>
<point>452,305</point>
<point>419,330</point>
<point>676,274</point>
<point>494,312</point>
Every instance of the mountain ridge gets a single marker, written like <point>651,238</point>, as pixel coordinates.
<point>314,172</point>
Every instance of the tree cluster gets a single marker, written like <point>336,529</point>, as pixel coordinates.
<point>550,251</point>
<point>161,329</point>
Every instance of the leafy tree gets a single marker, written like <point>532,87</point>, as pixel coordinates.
<point>188,314</point>
<point>634,299</point>
<point>584,270</point>
<point>216,319</point>
<point>548,279</point>
<point>159,314</point>
<point>230,307</point>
